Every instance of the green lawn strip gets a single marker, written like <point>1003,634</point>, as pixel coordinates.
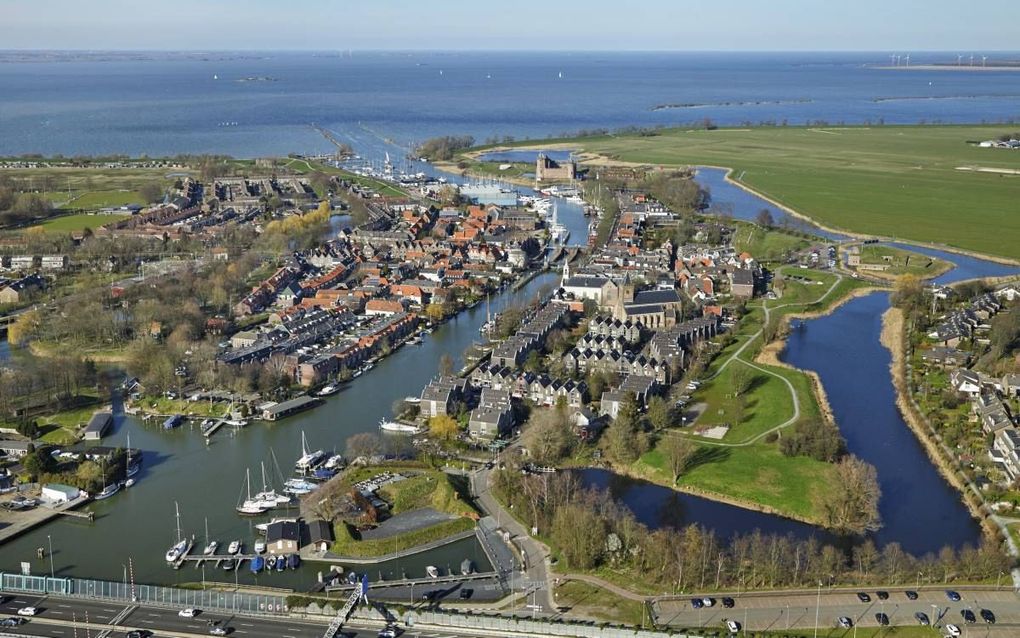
<point>163,405</point>
<point>81,221</point>
<point>897,181</point>
<point>754,474</point>
<point>899,631</point>
<point>591,601</point>
<point>430,489</point>
<point>347,545</point>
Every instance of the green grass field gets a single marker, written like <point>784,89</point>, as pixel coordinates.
<point>585,600</point>
<point>896,181</point>
<point>91,200</point>
<point>766,245</point>
<point>903,262</point>
<point>81,221</point>
<point>756,473</point>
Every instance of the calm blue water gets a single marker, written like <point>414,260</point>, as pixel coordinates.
<point>919,509</point>
<point>164,106</point>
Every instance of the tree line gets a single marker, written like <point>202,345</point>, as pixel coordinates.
<point>592,531</point>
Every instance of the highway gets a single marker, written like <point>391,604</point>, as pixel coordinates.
<point>777,611</point>
<point>66,618</point>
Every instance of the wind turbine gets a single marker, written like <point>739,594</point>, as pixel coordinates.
<point>983,58</point>
<point>959,58</point>
<point>892,59</point>
<point>908,59</point>
<point>972,59</point>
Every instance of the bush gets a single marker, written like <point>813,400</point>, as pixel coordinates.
<point>815,438</point>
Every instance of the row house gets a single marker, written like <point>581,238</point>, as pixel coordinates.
<point>493,418</point>
<point>628,331</point>
<point>441,395</point>
<point>639,387</point>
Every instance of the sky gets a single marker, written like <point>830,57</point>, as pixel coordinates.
<point>635,25</point>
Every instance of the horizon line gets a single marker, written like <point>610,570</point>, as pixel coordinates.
<point>489,50</point>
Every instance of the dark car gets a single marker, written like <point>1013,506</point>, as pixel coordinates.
<point>864,598</point>
<point>883,595</point>
<point>882,619</point>
<point>952,595</point>
<point>988,616</point>
<point>466,593</point>
<point>11,622</point>
<point>911,595</point>
<point>728,603</point>
<point>138,633</point>
<point>922,618</point>
<point>696,603</point>
<point>968,615</point>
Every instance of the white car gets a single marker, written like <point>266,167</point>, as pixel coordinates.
<point>733,626</point>
<point>389,632</point>
<point>953,630</point>
<point>28,611</point>
<point>188,613</point>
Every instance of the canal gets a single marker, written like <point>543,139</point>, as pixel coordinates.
<point>206,481</point>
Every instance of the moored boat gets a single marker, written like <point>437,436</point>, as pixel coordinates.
<point>210,549</point>
<point>467,567</point>
<point>293,561</point>
<point>257,564</point>
<point>330,389</point>
<point>260,546</point>
<point>234,547</point>
<point>270,562</point>
<point>399,428</point>
<point>432,571</point>
<point>108,491</point>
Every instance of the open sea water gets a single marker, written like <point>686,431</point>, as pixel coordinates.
<point>256,104</point>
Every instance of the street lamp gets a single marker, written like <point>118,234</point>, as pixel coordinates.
<point>50,541</point>
<point>818,603</point>
<point>934,615</point>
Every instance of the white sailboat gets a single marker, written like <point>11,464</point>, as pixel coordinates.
<point>251,506</point>
<point>181,546</point>
<point>210,546</point>
<point>132,466</point>
<point>268,495</point>
<point>308,459</point>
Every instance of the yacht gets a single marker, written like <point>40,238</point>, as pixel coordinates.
<point>298,487</point>
<point>399,428</point>
<point>252,506</point>
<point>308,459</point>
<point>108,491</point>
<point>129,483</point>
<point>133,464</point>
<point>181,546</point>
<point>329,390</point>
<point>334,462</point>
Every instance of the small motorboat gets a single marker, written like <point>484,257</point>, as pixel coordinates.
<point>260,546</point>
<point>352,578</point>
<point>432,571</point>
<point>257,564</point>
<point>467,567</point>
<point>229,564</point>
<point>262,528</point>
<point>330,389</point>
<point>129,483</point>
<point>210,549</point>
<point>293,561</point>
<point>270,562</point>
<point>281,563</point>
<point>234,547</point>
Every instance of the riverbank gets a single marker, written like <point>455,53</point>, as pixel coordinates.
<point>893,338</point>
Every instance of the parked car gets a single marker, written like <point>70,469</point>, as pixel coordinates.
<point>953,630</point>
<point>952,595</point>
<point>728,602</point>
<point>863,597</point>
<point>968,616</point>
<point>882,619</point>
<point>708,602</point>
<point>733,626</point>
<point>882,595</point>
<point>988,616</point>
<point>911,595</point>
<point>12,621</point>
<point>389,632</point>
<point>190,612</point>
<point>845,622</point>
<point>922,618</point>
<point>219,630</point>
<point>28,611</point>
<point>696,603</point>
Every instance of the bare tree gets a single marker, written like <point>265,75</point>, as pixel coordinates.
<point>679,451</point>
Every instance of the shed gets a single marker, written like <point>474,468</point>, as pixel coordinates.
<point>283,537</point>
<point>98,426</point>
<point>59,493</point>
<point>320,535</point>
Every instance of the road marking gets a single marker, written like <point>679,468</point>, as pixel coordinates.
<point>64,606</point>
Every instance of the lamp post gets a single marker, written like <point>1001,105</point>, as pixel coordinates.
<point>50,541</point>
<point>934,615</point>
<point>818,603</point>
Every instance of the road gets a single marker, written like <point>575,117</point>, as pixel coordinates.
<point>66,618</point>
<point>777,611</point>
<point>534,583</point>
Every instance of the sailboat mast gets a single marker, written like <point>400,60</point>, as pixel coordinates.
<point>177,507</point>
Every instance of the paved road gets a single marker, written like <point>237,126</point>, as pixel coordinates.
<point>534,583</point>
<point>58,618</point>
<point>776,611</point>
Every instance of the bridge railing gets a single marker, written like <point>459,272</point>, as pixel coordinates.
<point>214,600</point>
